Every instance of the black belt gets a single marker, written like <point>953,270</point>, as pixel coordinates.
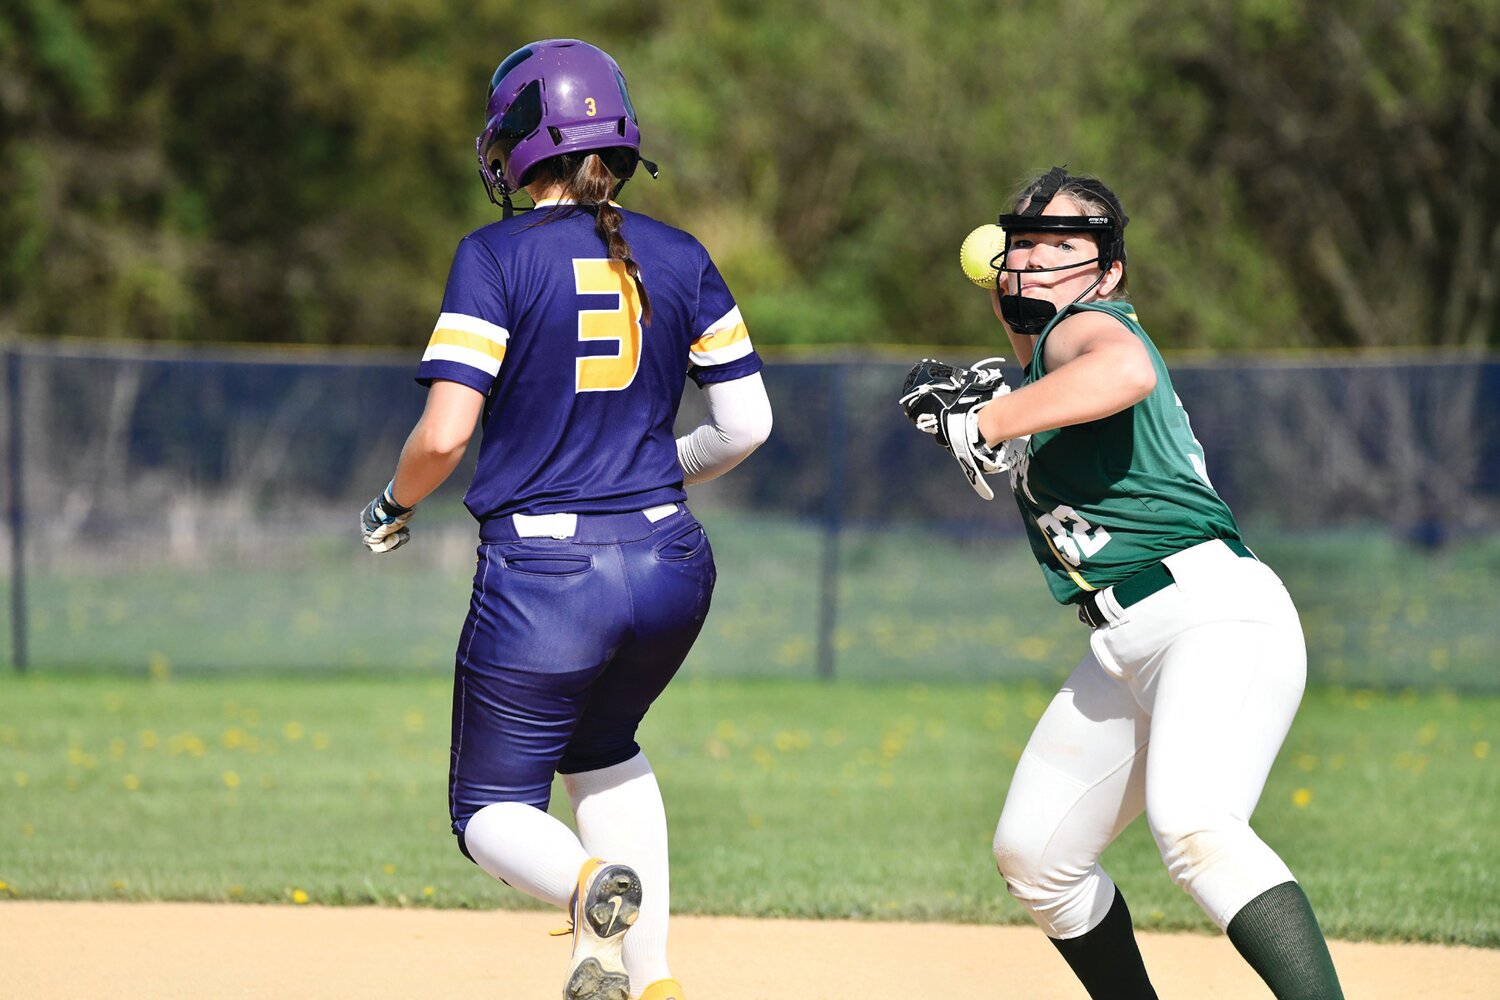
<point>1134,589</point>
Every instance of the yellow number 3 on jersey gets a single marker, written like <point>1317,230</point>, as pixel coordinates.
<point>622,324</point>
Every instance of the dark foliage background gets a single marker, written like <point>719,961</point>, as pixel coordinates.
<point>299,170</point>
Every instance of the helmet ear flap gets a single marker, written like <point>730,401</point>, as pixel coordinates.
<point>620,160</point>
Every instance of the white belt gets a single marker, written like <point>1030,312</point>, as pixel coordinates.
<point>566,525</point>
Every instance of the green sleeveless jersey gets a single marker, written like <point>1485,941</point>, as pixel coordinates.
<point>1106,499</point>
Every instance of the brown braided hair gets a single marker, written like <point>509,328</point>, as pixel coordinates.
<point>590,185</point>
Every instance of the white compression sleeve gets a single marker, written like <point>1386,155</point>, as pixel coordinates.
<point>527,849</point>
<point>739,421</point>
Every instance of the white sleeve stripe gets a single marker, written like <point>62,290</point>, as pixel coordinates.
<point>474,325</point>
<point>722,355</point>
<point>464,356</point>
<point>728,321</point>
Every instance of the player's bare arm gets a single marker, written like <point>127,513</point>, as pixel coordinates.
<point>1095,368</point>
<point>431,453</point>
<point>437,442</point>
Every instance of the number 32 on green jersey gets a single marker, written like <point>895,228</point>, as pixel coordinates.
<point>1073,538</point>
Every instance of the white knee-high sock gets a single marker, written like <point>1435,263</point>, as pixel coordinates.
<point>528,849</point>
<point>621,819</point>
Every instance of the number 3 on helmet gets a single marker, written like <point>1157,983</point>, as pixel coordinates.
<point>551,97</point>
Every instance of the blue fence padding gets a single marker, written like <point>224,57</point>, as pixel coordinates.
<point>126,453</point>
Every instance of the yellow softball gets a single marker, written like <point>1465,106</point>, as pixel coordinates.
<point>979,248</point>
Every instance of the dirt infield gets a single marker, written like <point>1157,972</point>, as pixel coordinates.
<point>198,951</point>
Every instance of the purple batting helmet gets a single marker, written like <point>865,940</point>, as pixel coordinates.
<point>555,96</point>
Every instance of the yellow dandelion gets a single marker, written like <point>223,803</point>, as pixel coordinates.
<point>299,897</point>
<point>131,782</point>
<point>1301,797</point>
<point>428,890</point>
<point>292,731</point>
<point>320,741</point>
<point>388,869</point>
<point>231,779</point>
<point>79,757</point>
<point>148,739</point>
<point>21,779</point>
<point>756,821</point>
<point>1481,749</point>
<point>414,721</point>
<point>118,885</point>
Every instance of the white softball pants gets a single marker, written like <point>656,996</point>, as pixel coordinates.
<point>1178,710</point>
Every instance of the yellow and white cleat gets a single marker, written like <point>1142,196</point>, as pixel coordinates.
<point>606,903</point>
<point>664,989</point>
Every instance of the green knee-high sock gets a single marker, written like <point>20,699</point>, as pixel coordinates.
<point>1278,935</point>
<point>1106,959</point>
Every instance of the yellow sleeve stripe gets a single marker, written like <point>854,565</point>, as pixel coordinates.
<point>725,341</point>
<point>717,339</point>
<point>472,324</point>
<point>720,338</point>
<point>463,356</point>
<point>448,337</point>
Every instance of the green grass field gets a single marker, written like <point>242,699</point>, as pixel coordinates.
<point>786,797</point>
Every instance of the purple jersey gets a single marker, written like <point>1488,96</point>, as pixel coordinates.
<point>581,397</point>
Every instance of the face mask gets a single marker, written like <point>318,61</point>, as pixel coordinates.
<point>1031,316</point>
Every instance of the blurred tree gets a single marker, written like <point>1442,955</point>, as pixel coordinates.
<point>1362,144</point>
<point>299,170</point>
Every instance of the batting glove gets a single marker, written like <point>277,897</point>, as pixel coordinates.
<point>383,524</point>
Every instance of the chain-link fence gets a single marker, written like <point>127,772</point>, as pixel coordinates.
<point>175,510</point>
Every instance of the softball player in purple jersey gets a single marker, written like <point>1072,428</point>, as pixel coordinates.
<point>568,333</point>
<point>1196,661</point>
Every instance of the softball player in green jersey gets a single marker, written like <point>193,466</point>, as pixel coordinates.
<point>1196,660</point>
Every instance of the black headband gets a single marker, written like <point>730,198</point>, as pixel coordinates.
<point>1046,189</point>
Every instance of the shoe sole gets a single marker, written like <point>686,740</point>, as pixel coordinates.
<point>611,908</point>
